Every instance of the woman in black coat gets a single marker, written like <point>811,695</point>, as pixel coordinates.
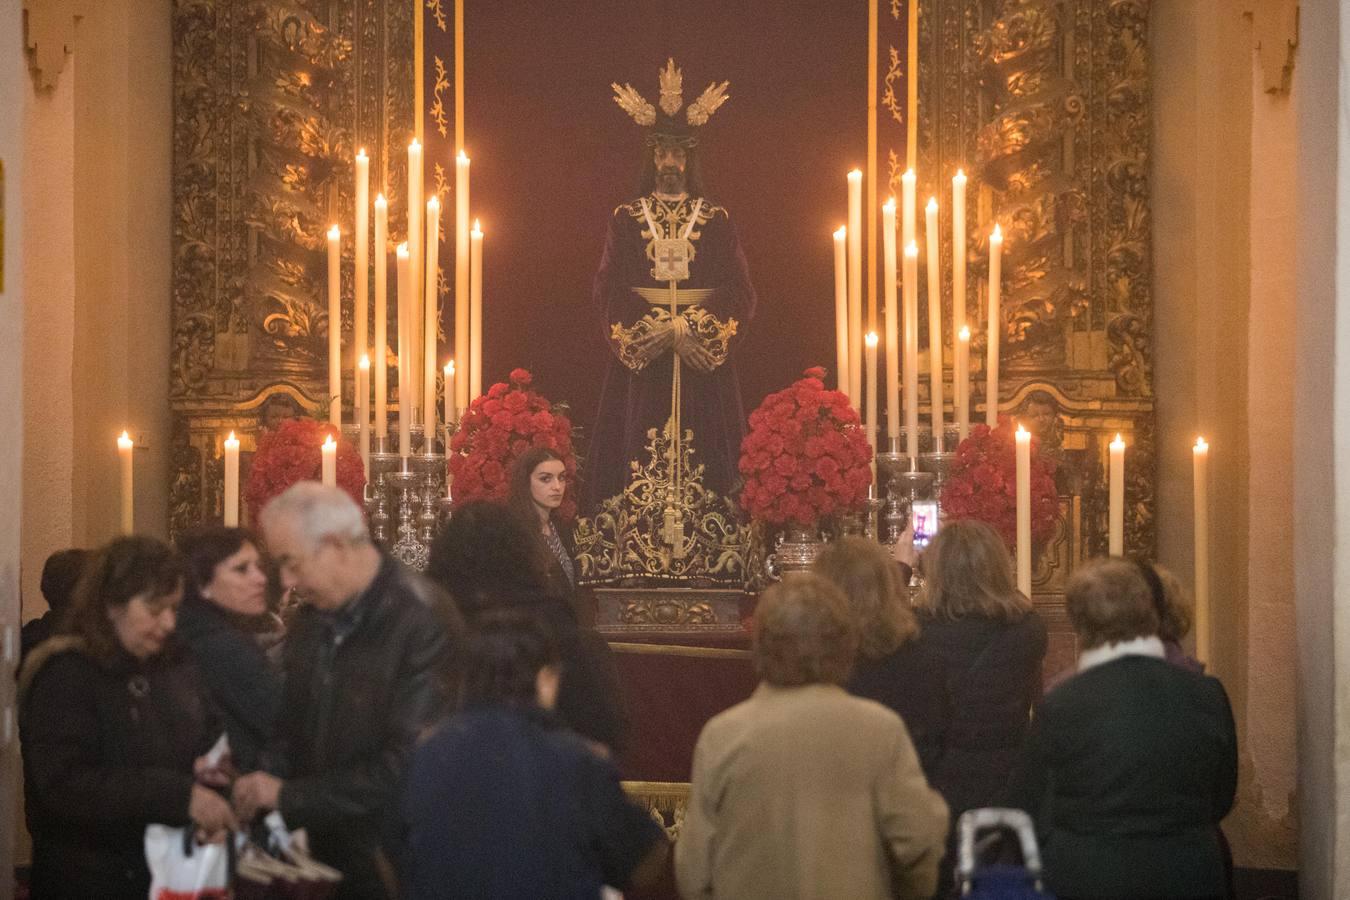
<point>982,646</point>
<point>488,560</point>
<point>114,722</point>
<point>223,616</point>
<point>1132,762</point>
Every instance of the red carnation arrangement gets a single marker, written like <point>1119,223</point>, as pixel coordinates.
<point>806,457</point>
<point>499,427</point>
<point>982,483</point>
<point>291,453</point>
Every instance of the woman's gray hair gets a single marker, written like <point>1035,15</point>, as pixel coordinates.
<point>318,512</point>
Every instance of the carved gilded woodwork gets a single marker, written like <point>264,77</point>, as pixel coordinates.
<point>1045,104</point>
<point>271,97</point>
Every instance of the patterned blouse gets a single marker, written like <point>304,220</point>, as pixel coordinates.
<point>555,544</point>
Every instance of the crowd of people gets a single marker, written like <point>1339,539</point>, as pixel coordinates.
<point>453,734</point>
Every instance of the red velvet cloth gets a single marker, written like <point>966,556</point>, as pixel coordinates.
<point>669,696</point>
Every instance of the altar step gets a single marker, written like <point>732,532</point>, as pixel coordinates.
<point>651,612</point>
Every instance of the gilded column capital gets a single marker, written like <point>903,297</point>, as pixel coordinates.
<point>49,35</point>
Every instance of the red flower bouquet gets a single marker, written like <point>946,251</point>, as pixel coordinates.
<point>806,457</point>
<point>498,428</point>
<point>291,453</point>
<point>982,483</point>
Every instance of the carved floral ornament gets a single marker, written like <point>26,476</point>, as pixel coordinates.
<point>49,35</point>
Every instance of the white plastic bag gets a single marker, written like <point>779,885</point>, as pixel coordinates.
<point>182,869</point>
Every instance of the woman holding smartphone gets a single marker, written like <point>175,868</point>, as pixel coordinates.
<point>982,645</point>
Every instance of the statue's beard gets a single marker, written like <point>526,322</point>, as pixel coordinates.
<point>670,181</point>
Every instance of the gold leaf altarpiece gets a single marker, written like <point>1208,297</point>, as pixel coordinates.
<point>1045,102</point>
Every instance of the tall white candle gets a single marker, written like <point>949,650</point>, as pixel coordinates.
<point>415,262</point>
<point>462,274</point>
<point>870,424</point>
<point>476,311</point>
<point>841,312</point>
<point>1023,510</point>
<point>230,501</point>
<point>363,409</point>
<point>335,325</point>
<point>124,448</point>
<point>958,251</point>
<point>430,322</point>
<point>911,360</point>
<point>361,255</point>
<point>934,272</point>
<point>451,414</point>
<point>961,382</point>
<point>1202,613</point>
<point>855,270</point>
<point>908,206</point>
<point>995,327</point>
<point>404,372</point>
<point>1116,490</point>
<point>890,287</point>
<point>328,453</point>
<point>381,320</point>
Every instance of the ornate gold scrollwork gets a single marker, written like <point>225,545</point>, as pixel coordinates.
<point>623,541</point>
<point>710,331</point>
<point>626,340</point>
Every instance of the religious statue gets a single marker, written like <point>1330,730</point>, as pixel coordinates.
<point>674,294</point>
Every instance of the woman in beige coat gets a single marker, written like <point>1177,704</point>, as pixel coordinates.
<point>804,791</point>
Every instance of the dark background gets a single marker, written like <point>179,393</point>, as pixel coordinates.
<point>553,155</point>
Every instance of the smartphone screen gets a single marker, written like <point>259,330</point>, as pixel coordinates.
<point>924,515</point>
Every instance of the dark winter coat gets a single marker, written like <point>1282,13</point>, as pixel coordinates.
<point>589,701</point>
<point>107,750</point>
<point>245,688</point>
<point>503,803</point>
<point>986,675</point>
<point>361,685</point>
<point>1128,770</point>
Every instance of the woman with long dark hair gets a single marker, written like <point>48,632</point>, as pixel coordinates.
<point>537,486</point>
<point>224,615</point>
<point>114,720</point>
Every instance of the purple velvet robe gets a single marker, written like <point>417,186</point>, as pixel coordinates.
<point>631,402</point>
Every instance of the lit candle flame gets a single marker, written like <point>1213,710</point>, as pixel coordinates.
<point>380,201</point>
<point>124,441</point>
<point>996,237</point>
<point>450,367</point>
<point>361,154</point>
<point>328,442</point>
<point>402,250</point>
<point>841,232</point>
<point>335,233</point>
<point>871,339</point>
<point>1119,441</point>
<point>1201,446</point>
<point>414,144</point>
<point>960,176</point>
<point>888,206</point>
<point>231,439</point>
<point>908,176</point>
<point>1022,433</point>
<point>932,205</point>
<point>462,157</point>
<point>912,249</point>
<point>365,361</point>
<point>477,228</point>
<point>964,333</point>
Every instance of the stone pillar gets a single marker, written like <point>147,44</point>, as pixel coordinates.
<point>1322,457</point>
<point>14,85</point>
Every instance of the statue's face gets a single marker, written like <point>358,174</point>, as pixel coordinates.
<point>1041,416</point>
<point>671,160</point>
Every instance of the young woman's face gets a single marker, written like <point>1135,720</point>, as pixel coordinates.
<point>239,583</point>
<point>145,622</point>
<point>548,483</point>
